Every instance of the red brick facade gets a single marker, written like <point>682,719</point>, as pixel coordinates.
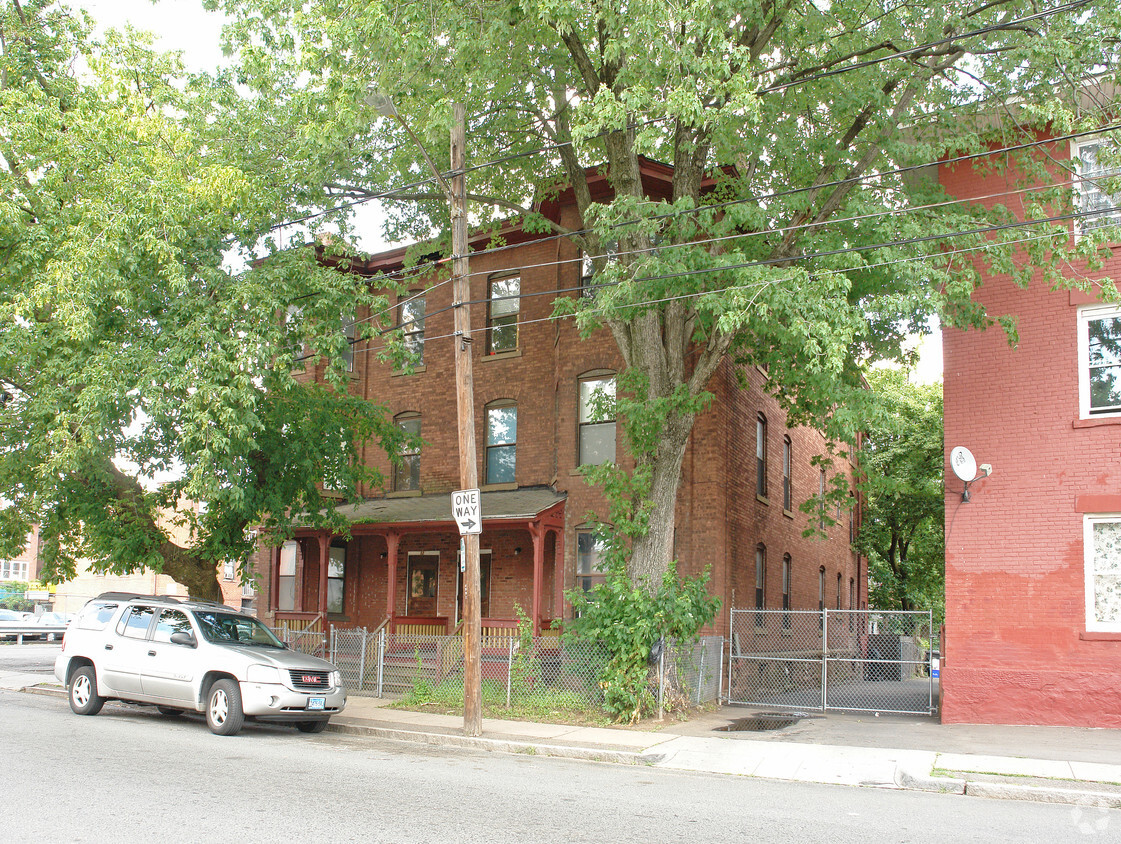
<point>1017,649</point>
<point>720,520</point>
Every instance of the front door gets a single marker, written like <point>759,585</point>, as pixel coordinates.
<point>421,586</point>
<point>126,651</point>
<point>170,669</point>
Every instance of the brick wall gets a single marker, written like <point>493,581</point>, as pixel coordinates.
<point>1016,650</point>
<point>719,519</point>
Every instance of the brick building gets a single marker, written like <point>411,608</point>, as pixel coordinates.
<point>745,474</point>
<point>1033,560</point>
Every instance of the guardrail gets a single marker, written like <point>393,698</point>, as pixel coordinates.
<point>34,631</point>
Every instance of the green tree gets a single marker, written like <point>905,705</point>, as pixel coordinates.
<point>787,235</point>
<point>902,462</point>
<point>137,341</point>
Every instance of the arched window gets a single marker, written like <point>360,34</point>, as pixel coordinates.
<point>838,590</point>
<point>590,564</point>
<point>787,483</point>
<point>410,317</point>
<point>596,419</point>
<point>786,591</point>
<point>761,455</point>
<point>760,582</point>
<point>821,500</point>
<point>502,441</point>
<point>406,471</point>
<point>503,309</point>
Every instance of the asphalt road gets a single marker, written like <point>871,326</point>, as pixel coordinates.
<point>130,774</point>
<point>34,657</point>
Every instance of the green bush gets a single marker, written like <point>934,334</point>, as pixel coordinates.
<point>627,620</point>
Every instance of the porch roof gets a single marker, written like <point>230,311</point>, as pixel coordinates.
<point>499,505</point>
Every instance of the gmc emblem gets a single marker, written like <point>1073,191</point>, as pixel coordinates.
<point>310,678</point>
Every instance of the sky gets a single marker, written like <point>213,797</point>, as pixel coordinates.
<point>185,26</point>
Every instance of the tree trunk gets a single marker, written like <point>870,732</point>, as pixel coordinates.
<point>199,576</point>
<point>652,551</point>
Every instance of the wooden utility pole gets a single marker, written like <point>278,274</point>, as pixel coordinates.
<point>465,405</point>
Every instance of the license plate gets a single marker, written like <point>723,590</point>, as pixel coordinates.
<point>316,702</point>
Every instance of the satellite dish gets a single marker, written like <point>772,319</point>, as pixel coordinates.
<point>963,463</point>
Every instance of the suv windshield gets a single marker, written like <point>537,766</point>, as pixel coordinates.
<point>228,627</point>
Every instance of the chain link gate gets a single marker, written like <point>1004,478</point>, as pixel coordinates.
<point>854,660</point>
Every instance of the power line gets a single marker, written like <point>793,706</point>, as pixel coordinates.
<point>707,241</point>
<point>389,194</point>
<point>760,285</point>
<point>766,262</point>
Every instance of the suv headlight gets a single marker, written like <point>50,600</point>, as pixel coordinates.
<point>263,674</point>
<point>337,679</point>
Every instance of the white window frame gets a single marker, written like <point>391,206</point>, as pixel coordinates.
<point>1085,316</point>
<point>1088,523</point>
<point>1083,189</point>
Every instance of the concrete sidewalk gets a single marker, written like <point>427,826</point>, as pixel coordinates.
<point>1048,764</point>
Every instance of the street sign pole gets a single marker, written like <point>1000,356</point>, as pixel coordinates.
<point>465,407</point>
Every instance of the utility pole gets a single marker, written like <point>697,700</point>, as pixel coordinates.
<point>465,407</point>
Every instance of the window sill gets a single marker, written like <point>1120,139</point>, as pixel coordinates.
<point>1100,635</point>
<point>397,373</point>
<point>762,499</point>
<point>788,513</point>
<point>1096,422</point>
<point>405,493</point>
<point>517,353</point>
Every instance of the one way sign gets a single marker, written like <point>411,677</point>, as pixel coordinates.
<point>467,511</point>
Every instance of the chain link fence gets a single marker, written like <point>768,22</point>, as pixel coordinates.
<point>859,660</point>
<point>545,674</point>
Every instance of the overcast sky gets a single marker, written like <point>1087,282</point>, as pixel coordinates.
<point>185,26</point>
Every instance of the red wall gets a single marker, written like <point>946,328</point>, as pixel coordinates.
<point>1016,649</point>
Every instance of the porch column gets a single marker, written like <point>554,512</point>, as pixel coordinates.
<point>324,556</point>
<point>391,540</point>
<point>538,536</point>
<point>274,578</point>
<point>558,576</point>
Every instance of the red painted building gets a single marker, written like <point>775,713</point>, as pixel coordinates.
<point>1033,560</point>
<point>744,477</point>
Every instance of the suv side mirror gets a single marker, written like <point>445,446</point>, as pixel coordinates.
<point>183,639</point>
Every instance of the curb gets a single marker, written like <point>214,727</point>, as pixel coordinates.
<point>924,782</point>
<point>1006,790</point>
<point>524,748</point>
<point>1043,794</point>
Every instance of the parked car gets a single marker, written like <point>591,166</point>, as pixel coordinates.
<point>193,656</point>
<point>10,619</point>
<point>53,619</point>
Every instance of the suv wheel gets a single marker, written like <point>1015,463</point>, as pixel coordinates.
<point>311,726</point>
<point>223,708</point>
<point>84,699</point>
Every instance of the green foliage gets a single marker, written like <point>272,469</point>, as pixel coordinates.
<point>812,248</point>
<point>143,294</point>
<point>902,462</point>
<point>12,596</point>
<point>626,620</point>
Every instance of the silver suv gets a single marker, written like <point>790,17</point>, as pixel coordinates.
<point>193,656</point>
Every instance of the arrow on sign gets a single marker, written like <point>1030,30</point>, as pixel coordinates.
<point>467,511</point>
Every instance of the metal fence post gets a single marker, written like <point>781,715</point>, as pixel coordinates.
<point>362,659</point>
<point>824,659</point>
<point>661,683</point>
<point>720,673</point>
<point>509,669</point>
<point>701,672</point>
<point>381,660</point>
